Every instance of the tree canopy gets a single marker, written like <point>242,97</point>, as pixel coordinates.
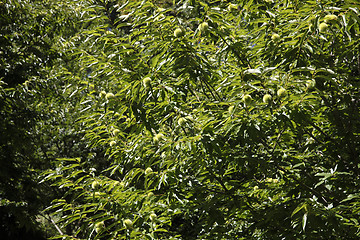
<point>180,119</point>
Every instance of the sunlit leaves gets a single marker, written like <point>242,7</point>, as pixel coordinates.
<point>220,120</point>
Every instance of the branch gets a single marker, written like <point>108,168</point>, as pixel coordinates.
<point>48,217</point>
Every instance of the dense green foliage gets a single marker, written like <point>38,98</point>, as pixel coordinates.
<point>29,50</point>
<point>184,119</point>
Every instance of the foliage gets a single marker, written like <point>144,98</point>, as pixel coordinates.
<point>28,49</point>
<point>205,120</point>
